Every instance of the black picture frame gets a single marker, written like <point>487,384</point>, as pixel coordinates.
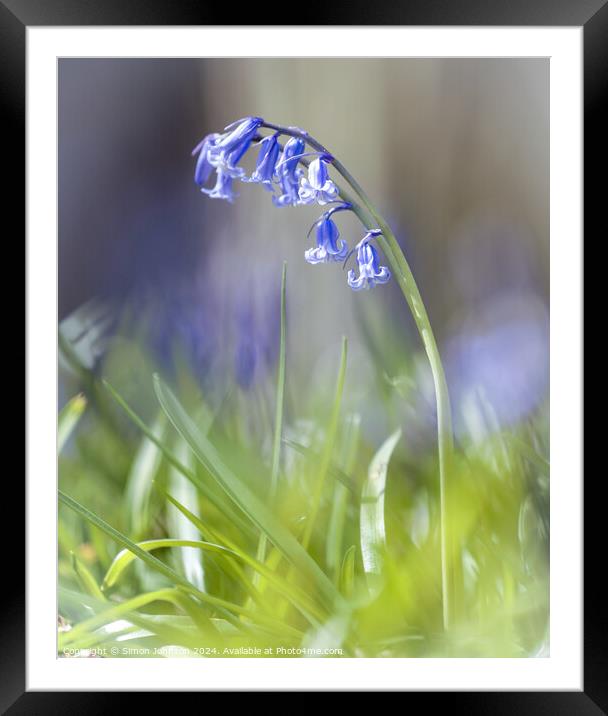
<point>17,15</point>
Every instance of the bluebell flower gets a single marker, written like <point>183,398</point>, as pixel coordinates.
<point>229,148</point>
<point>267,160</point>
<point>245,361</point>
<point>223,187</point>
<point>329,245</point>
<point>289,173</point>
<point>203,168</point>
<point>318,186</point>
<point>370,271</point>
<point>242,131</point>
<point>257,321</point>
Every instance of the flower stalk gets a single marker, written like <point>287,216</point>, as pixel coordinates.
<point>319,188</point>
<point>405,278</point>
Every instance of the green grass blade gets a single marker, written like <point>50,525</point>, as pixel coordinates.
<point>278,416</point>
<point>221,504</point>
<point>222,606</point>
<point>124,558</point>
<point>86,579</point>
<point>191,561</point>
<point>240,493</point>
<point>333,470</point>
<point>335,530</point>
<point>332,430</point>
<point>116,611</point>
<point>337,520</point>
<point>67,540</point>
<point>122,539</point>
<point>373,536</point>
<point>214,536</point>
<point>144,468</point>
<point>68,419</point>
<point>296,596</point>
<point>107,630</point>
<point>347,572</point>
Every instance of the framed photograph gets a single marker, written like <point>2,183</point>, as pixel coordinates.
<point>304,355</point>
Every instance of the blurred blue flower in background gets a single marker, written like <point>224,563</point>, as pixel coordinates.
<point>245,361</point>
<point>501,356</point>
<point>499,353</point>
<point>184,331</point>
<point>257,330</point>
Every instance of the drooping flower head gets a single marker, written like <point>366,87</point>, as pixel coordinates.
<point>283,168</point>
<point>267,160</point>
<point>318,186</point>
<point>370,271</point>
<point>289,173</point>
<point>329,245</point>
<point>223,187</point>
<point>229,148</point>
<point>203,168</point>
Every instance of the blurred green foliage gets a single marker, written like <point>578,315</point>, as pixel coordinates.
<point>164,497</point>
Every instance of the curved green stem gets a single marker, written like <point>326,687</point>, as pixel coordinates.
<point>405,278</point>
<point>371,218</point>
<point>324,465</point>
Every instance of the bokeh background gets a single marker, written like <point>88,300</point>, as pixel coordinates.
<point>455,153</point>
